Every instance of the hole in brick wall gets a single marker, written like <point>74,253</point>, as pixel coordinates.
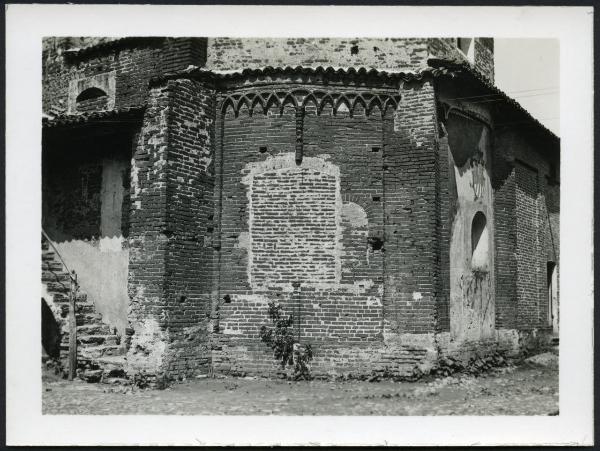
<point>376,198</point>
<point>375,149</point>
<point>227,299</point>
<point>375,243</point>
<point>182,298</point>
<point>376,49</point>
<point>210,229</point>
<point>262,149</point>
<point>354,50</point>
<point>210,217</point>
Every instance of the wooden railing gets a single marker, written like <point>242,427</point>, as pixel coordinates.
<point>73,288</point>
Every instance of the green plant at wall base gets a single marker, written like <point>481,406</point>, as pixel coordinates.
<point>286,349</point>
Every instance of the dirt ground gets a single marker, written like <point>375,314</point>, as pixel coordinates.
<point>527,389</point>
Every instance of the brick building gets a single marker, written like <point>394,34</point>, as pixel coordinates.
<point>383,191</point>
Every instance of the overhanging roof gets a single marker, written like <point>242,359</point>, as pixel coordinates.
<point>107,117</point>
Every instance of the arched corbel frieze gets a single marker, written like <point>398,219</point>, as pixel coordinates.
<point>265,100</point>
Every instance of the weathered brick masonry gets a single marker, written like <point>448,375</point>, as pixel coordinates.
<point>349,180</point>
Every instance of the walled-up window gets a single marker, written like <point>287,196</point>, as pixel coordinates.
<point>479,242</point>
<point>92,99</point>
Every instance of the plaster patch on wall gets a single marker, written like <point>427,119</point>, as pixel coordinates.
<point>148,346</point>
<point>102,269</point>
<point>135,181</point>
<point>354,214</point>
<point>243,241</point>
<point>373,301</point>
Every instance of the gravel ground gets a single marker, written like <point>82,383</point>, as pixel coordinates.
<point>524,390</point>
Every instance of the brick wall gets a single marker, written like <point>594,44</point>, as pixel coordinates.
<point>190,185</point>
<point>135,62</point>
<point>385,54</point>
<point>170,264</point>
<point>527,227</point>
<point>411,242</point>
<point>341,175</point>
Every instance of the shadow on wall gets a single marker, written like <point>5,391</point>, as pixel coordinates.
<point>85,214</point>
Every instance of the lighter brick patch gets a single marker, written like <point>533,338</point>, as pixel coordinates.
<point>294,225</point>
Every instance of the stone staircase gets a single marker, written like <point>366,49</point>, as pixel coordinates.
<point>100,351</point>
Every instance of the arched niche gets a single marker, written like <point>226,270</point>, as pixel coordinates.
<point>480,248</point>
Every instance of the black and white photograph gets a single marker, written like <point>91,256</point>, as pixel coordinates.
<point>321,225</point>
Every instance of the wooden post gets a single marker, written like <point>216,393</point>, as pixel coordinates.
<point>72,329</point>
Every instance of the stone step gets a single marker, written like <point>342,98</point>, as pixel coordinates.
<point>112,366</point>
<point>58,287</point>
<point>87,318</point>
<point>94,329</point>
<point>95,352</point>
<point>48,255</point>
<point>53,265</point>
<point>53,276</point>
<point>85,307</point>
<point>91,375</point>
<point>95,340</point>
<point>116,381</point>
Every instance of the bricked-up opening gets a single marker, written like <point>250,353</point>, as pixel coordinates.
<point>294,222</point>
<point>92,99</point>
<point>479,242</point>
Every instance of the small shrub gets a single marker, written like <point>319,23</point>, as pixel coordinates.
<point>286,349</point>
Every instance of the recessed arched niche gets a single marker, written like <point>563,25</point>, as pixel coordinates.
<point>480,247</point>
<point>91,99</point>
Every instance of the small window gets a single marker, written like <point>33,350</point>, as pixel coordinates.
<point>467,46</point>
<point>479,242</point>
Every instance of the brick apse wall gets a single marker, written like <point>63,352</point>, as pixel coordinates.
<point>327,192</point>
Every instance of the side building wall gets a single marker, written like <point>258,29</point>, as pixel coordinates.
<point>528,197</point>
